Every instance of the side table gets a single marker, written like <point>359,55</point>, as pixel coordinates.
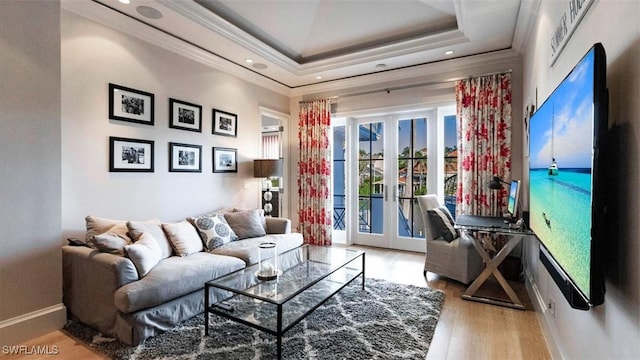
<point>492,226</point>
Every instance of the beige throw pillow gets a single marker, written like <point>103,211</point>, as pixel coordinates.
<point>97,225</point>
<point>144,253</point>
<point>183,237</point>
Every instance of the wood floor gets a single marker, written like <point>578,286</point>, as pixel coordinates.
<point>466,329</point>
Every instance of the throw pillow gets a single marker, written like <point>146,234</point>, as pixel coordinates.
<point>112,241</point>
<point>442,224</point>
<point>260,212</point>
<point>246,224</point>
<point>183,237</point>
<point>144,253</point>
<point>153,227</point>
<point>97,225</point>
<point>214,230</point>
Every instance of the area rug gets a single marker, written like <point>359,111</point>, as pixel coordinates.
<point>385,321</point>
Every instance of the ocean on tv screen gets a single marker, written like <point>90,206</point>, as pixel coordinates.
<point>560,215</point>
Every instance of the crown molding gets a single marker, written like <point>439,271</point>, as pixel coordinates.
<point>437,72</point>
<point>105,15</point>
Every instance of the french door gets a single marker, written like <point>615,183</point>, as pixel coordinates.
<point>391,170</point>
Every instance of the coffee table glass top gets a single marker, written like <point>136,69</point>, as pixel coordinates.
<point>302,268</point>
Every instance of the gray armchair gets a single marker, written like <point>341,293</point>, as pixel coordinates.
<point>457,259</point>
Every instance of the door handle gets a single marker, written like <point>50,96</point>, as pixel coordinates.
<point>386,193</point>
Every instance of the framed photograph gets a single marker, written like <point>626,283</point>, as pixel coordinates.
<point>131,105</point>
<point>130,155</point>
<point>225,160</point>
<point>185,157</point>
<point>225,123</point>
<point>185,116</point>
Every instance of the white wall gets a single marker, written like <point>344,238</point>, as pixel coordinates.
<point>30,255</point>
<point>611,330</point>
<point>94,55</point>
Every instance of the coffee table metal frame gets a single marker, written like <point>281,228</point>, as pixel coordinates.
<point>317,269</point>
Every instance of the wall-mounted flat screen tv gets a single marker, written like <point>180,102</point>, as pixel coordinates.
<point>567,180</point>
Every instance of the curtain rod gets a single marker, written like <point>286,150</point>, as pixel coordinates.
<point>388,90</point>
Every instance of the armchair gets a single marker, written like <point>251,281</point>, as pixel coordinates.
<point>458,259</point>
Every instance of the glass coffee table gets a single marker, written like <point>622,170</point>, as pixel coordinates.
<point>310,276</point>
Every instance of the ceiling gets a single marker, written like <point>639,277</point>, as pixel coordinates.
<point>297,43</point>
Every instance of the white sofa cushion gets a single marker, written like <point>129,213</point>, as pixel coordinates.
<point>247,249</point>
<point>153,227</point>
<point>145,253</point>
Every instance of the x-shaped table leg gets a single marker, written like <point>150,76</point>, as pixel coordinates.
<point>492,268</point>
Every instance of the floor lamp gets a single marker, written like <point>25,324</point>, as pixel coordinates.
<point>267,168</point>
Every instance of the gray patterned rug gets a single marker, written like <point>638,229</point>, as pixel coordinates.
<point>386,321</point>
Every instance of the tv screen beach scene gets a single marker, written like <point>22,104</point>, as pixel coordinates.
<point>560,172</point>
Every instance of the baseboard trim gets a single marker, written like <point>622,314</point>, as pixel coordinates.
<point>546,325</point>
<point>31,325</point>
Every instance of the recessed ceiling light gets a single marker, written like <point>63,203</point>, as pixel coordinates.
<point>248,61</point>
<point>124,1</point>
<point>319,77</point>
<point>149,12</point>
<point>448,52</point>
<point>381,66</point>
<point>260,66</point>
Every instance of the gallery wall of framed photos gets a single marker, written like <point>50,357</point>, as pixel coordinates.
<point>137,155</point>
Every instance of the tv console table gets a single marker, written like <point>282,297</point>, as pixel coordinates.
<point>492,226</point>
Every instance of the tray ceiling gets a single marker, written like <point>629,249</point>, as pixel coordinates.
<point>298,43</point>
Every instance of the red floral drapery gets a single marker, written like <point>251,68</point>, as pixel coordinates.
<point>314,172</point>
<point>484,142</point>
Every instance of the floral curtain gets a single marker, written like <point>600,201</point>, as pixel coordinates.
<point>314,172</point>
<point>484,143</point>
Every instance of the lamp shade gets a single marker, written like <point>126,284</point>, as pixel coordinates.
<point>495,183</point>
<point>264,168</point>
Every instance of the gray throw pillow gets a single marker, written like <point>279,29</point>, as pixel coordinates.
<point>246,224</point>
<point>442,224</point>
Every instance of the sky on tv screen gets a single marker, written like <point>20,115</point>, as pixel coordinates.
<point>562,127</point>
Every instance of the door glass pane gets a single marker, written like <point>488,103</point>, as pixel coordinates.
<point>371,178</point>
<point>450,163</point>
<point>412,175</point>
<point>339,191</point>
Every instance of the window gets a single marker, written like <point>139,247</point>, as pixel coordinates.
<point>338,173</point>
<point>412,174</point>
<point>450,163</point>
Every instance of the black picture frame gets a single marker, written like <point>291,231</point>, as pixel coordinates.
<point>130,155</point>
<point>184,115</point>
<point>224,123</point>
<point>225,160</point>
<point>131,105</point>
<point>185,157</point>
